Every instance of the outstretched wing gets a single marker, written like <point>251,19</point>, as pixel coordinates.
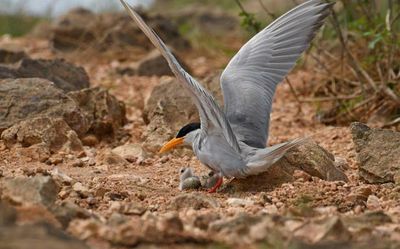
<point>211,115</point>
<point>250,79</point>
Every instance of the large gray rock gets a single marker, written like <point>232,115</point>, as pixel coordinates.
<point>378,153</point>
<point>22,99</point>
<point>81,29</point>
<point>53,133</point>
<point>41,113</point>
<point>315,160</point>
<point>155,64</point>
<point>64,75</point>
<point>104,112</point>
<point>37,190</point>
<point>37,237</point>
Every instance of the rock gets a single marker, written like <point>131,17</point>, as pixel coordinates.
<point>193,200</point>
<point>83,191</point>
<point>373,203</point>
<point>155,64</point>
<point>341,163</point>
<point>60,177</point>
<point>310,157</point>
<point>170,224</point>
<point>90,140</point>
<point>83,29</point>
<point>37,190</point>
<point>165,112</point>
<point>211,21</point>
<point>64,75</point>
<point>131,152</point>
<point>204,220</point>
<point>132,209</point>
<point>237,202</point>
<point>68,211</point>
<point>105,113</point>
<point>326,229</point>
<point>273,177</point>
<point>111,158</point>
<point>77,163</point>
<point>8,215</point>
<point>117,219</point>
<point>22,99</point>
<point>377,153</point>
<point>359,195</point>
<point>85,228</point>
<point>8,56</point>
<point>53,133</point>
<point>315,160</point>
<point>234,227</point>
<point>37,152</point>
<point>37,237</point>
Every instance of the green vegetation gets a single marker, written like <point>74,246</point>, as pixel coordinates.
<point>17,25</point>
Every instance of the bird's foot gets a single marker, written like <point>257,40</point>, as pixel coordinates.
<point>216,186</point>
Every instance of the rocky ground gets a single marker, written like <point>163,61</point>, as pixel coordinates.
<point>80,126</point>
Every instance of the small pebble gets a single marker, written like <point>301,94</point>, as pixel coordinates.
<point>77,163</point>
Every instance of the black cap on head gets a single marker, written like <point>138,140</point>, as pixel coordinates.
<point>187,128</point>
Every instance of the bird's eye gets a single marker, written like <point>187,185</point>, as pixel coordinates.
<point>182,170</point>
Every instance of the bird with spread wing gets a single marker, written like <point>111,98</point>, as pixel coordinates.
<point>232,142</point>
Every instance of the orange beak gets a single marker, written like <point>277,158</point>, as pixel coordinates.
<point>171,144</point>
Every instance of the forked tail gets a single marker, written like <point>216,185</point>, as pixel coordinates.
<point>264,158</point>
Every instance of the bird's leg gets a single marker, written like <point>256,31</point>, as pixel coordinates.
<point>217,185</point>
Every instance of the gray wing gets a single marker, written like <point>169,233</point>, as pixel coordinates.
<point>211,115</point>
<point>250,79</point>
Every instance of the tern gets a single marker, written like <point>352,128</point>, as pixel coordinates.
<point>232,141</point>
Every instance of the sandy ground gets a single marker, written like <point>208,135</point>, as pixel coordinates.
<point>153,183</point>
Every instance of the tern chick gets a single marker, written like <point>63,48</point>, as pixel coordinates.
<point>187,180</point>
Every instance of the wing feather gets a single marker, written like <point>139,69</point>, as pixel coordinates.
<point>211,115</point>
<point>250,79</point>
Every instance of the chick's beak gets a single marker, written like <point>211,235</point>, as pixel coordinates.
<point>171,144</point>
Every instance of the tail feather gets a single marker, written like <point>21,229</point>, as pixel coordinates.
<point>265,158</point>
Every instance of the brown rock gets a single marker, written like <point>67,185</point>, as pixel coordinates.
<point>193,200</point>
<point>111,158</point>
<point>314,160</point>
<point>37,237</point>
<point>377,153</point>
<point>105,113</point>
<point>90,140</point>
<point>37,190</point>
<point>64,75</point>
<point>22,99</point>
<point>203,221</point>
<point>82,29</point>
<point>8,215</point>
<point>131,152</point>
<point>11,56</point>
<point>329,229</point>
<point>68,211</point>
<point>155,64</point>
<point>55,134</point>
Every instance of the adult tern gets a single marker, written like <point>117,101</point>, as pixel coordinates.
<point>232,142</point>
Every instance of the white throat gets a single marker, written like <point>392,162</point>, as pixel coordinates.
<point>192,137</point>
